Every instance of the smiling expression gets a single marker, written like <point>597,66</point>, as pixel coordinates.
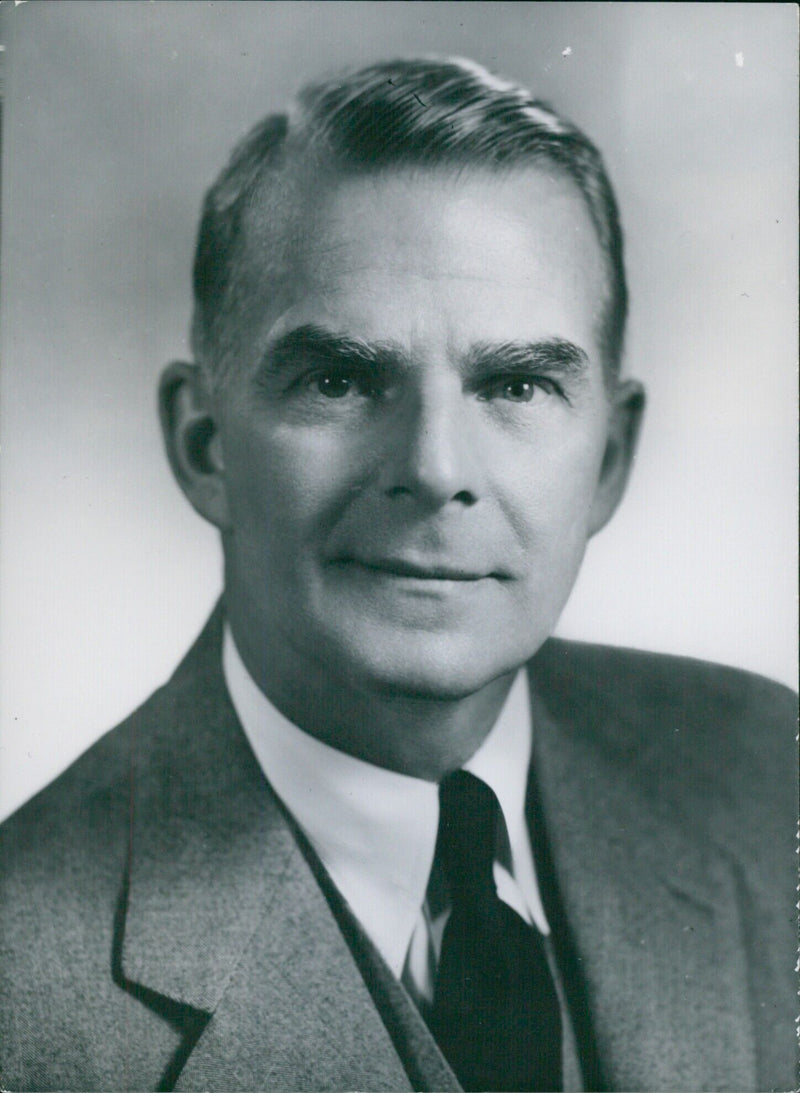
<point>414,443</point>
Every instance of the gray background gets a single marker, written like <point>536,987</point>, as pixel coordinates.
<point>119,115</point>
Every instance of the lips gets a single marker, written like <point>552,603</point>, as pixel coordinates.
<point>419,570</point>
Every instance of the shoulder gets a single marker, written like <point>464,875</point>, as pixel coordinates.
<point>658,703</point>
<point>78,824</point>
<point>63,861</point>
<point>67,846</point>
<point>665,687</point>
<point>717,744</point>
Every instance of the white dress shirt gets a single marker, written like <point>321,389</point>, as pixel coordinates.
<point>375,830</point>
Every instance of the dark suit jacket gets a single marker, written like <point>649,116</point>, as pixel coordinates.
<point>162,926</point>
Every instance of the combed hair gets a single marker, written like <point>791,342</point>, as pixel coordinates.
<point>426,112</point>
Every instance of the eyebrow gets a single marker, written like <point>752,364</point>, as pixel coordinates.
<point>553,357</point>
<point>313,344</point>
<point>316,345</point>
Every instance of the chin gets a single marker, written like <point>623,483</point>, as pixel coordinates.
<point>425,666</point>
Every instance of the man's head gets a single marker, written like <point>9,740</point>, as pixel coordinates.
<point>407,419</point>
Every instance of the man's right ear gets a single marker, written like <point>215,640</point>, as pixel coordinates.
<point>193,444</point>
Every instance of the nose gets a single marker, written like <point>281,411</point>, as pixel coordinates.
<point>432,451</point>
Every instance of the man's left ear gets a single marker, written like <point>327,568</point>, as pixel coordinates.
<point>625,420</point>
<point>193,443</point>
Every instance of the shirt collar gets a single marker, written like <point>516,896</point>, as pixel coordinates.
<point>374,829</point>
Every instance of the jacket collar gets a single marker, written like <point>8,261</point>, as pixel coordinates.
<point>223,912</point>
<point>659,980</point>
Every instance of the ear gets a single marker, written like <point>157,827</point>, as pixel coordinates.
<point>193,444</point>
<point>625,420</point>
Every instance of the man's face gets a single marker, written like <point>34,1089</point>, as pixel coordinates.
<point>413,450</point>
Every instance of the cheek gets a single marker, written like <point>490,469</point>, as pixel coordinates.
<point>555,514</point>
<point>285,483</point>
<point>549,500</point>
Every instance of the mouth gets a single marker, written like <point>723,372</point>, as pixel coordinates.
<point>418,571</point>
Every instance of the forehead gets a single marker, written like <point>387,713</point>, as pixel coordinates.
<point>444,257</point>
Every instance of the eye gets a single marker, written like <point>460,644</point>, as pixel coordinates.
<point>522,388</point>
<point>333,384</point>
<point>518,390</point>
<point>347,382</point>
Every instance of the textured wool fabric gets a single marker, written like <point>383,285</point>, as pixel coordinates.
<point>160,926</point>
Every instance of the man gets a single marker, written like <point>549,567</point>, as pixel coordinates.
<point>378,831</point>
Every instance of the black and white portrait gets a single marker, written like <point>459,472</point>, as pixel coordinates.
<point>399,415</point>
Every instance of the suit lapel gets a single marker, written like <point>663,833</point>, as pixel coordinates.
<point>652,916</point>
<point>224,914</point>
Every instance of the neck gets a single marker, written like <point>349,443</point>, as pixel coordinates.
<point>418,735</point>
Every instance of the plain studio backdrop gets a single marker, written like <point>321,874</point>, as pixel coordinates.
<point>118,116</point>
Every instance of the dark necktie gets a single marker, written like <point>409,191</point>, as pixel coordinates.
<point>495,1011</point>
